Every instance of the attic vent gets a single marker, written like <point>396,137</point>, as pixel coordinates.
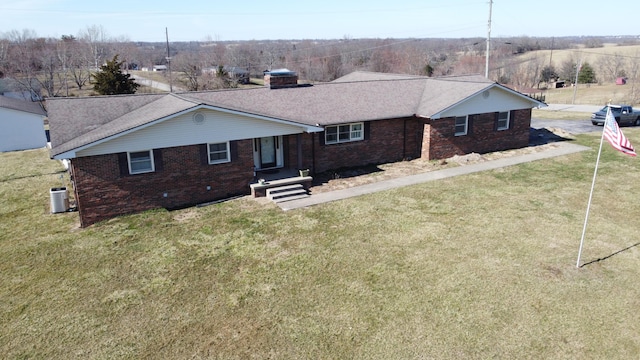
<point>198,118</point>
<point>485,94</point>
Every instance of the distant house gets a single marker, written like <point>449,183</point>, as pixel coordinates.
<point>136,152</point>
<point>21,125</point>
<point>621,81</point>
<point>239,74</point>
<point>159,68</point>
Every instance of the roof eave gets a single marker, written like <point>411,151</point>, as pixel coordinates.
<point>72,153</point>
<point>438,115</point>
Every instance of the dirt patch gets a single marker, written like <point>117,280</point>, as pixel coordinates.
<point>540,140</point>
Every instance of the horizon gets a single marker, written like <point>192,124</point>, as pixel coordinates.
<point>329,20</point>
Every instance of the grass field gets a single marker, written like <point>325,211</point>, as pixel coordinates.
<point>589,55</point>
<point>590,94</point>
<point>478,266</point>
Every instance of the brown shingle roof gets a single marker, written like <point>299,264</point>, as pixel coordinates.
<point>22,105</point>
<point>76,122</point>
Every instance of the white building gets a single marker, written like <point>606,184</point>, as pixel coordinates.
<point>21,125</point>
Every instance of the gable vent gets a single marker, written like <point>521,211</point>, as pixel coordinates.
<point>198,118</point>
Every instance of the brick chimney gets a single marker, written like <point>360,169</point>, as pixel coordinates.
<point>281,78</point>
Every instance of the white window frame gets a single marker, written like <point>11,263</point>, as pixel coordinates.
<point>142,171</point>
<point>456,125</point>
<point>355,132</point>
<point>507,121</point>
<point>219,161</point>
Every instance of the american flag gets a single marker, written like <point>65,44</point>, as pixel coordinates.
<point>614,135</point>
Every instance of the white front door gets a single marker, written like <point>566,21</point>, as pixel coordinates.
<point>267,152</point>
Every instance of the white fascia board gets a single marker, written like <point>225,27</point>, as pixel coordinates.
<point>532,101</point>
<point>65,155</point>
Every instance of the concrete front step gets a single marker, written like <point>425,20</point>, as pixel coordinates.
<point>291,197</point>
<point>287,192</point>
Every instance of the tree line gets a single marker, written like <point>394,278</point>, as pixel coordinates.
<point>68,65</point>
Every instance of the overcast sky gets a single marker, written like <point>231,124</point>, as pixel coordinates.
<point>190,20</point>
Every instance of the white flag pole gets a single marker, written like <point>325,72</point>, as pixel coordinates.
<point>593,183</point>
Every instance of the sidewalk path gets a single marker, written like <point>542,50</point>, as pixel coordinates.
<point>564,148</point>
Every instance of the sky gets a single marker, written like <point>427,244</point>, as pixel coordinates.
<point>191,20</point>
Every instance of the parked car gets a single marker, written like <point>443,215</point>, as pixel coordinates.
<point>624,115</point>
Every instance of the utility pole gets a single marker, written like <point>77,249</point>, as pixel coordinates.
<point>169,61</point>
<point>551,54</point>
<point>486,66</point>
<point>575,85</point>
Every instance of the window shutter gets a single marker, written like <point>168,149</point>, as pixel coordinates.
<point>123,164</point>
<point>157,160</point>
<point>512,117</point>
<point>470,125</point>
<point>321,136</point>
<point>496,119</point>
<point>367,130</point>
<point>204,154</point>
<point>233,150</point>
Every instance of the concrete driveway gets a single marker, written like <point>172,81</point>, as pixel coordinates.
<point>570,126</point>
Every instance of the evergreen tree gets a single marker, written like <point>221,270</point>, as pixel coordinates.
<point>427,70</point>
<point>548,74</point>
<point>111,81</point>
<point>586,75</point>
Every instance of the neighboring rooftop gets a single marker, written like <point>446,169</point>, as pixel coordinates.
<point>33,107</point>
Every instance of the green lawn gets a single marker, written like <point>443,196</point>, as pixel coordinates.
<point>478,266</point>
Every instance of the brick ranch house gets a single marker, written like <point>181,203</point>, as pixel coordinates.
<point>131,153</point>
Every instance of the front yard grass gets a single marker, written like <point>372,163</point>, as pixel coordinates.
<point>478,266</point>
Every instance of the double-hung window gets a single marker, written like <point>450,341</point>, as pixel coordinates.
<point>140,162</point>
<point>344,133</point>
<point>462,125</point>
<point>503,120</point>
<point>218,153</point>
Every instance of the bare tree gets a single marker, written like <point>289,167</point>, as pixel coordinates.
<point>633,77</point>
<point>470,64</point>
<point>333,65</point>
<point>50,67</point>
<point>383,58</point>
<point>189,66</point>
<point>65,55</point>
<point>79,62</point>
<point>22,63</point>
<point>4,55</point>
<point>95,39</point>
<point>244,55</point>
<point>610,67</point>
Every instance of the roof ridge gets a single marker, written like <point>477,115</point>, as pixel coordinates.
<point>186,98</point>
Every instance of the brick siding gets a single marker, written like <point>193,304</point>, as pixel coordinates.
<point>102,192</point>
<point>440,141</point>
<point>385,141</point>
